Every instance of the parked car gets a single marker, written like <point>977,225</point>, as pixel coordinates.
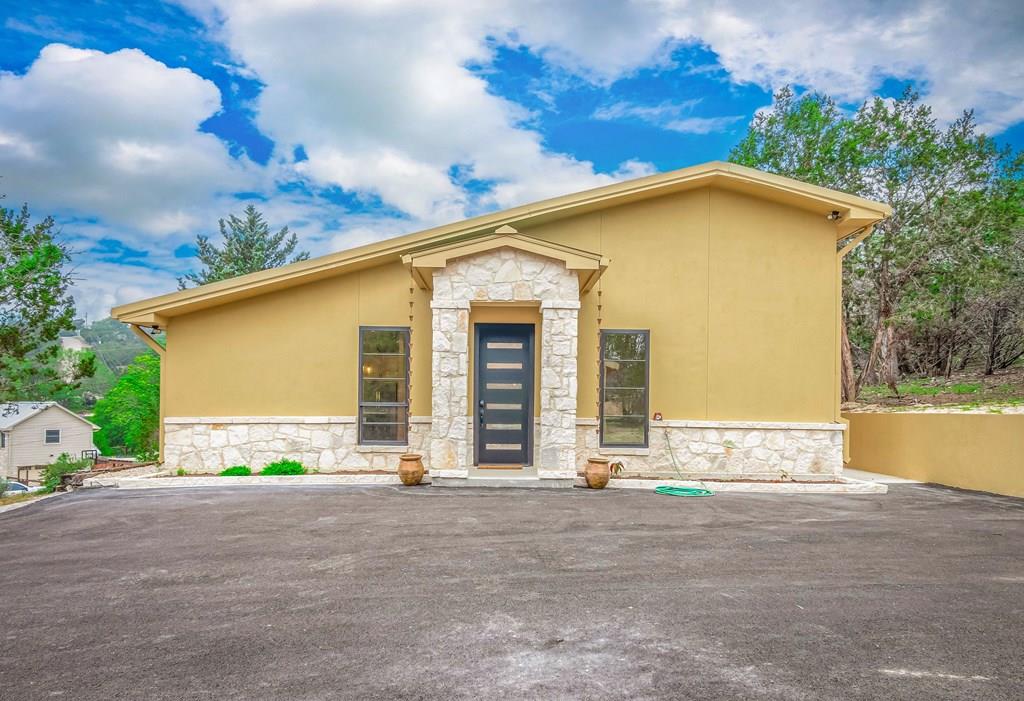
<point>15,488</point>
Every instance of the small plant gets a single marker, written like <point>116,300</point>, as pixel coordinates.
<point>283,467</point>
<point>3,485</point>
<point>236,471</point>
<point>181,472</point>
<point>64,465</point>
<point>616,467</point>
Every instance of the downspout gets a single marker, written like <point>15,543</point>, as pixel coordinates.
<point>161,353</point>
<point>854,240</point>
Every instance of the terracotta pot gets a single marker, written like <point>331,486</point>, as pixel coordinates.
<point>410,469</point>
<point>597,473</point>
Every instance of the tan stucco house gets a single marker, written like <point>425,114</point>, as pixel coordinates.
<point>33,434</point>
<point>686,323</point>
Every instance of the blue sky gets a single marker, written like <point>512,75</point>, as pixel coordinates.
<point>139,124</point>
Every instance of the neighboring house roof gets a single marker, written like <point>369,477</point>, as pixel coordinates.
<point>855,214</point>
<point>14,413</point>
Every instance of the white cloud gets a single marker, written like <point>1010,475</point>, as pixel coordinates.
<point>702,125</point>
<point>656,114</point>
<point>381,97</point>
<point>668,115</point>
<point>964,54</point>
<point>382,101</point>
<point>100,286</point>
<point>114,136</point>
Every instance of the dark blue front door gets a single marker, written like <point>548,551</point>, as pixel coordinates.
<point>504,394</point>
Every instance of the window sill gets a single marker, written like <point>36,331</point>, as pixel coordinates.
<point>613,451</point>
<point>389,448</point>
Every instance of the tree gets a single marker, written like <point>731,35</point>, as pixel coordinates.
<point>248,247</point>
<point>806,138</point>
<point>946,187</point>
<point>35,306</point>
<point>129,415</point>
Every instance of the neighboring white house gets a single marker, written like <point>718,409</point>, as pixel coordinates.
<point>36,433</point>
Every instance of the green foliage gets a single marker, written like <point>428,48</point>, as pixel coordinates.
<point>965,388</point>
<point>236,471</point>
<point>283,467</point>
<point>181,472</point>
<point>3,485</point>
<point>919,388</point>
<point>35,306</point>
<point>939,286</point>
<point>64,465</point>
<point>129,416</point>
<point>248,248</point>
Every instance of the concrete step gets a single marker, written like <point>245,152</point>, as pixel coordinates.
<point>522,482</point>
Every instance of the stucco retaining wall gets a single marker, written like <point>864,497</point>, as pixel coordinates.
<point>971,451</point>
<point>678,449</point>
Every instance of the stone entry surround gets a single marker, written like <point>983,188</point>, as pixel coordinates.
<point>504,275</point>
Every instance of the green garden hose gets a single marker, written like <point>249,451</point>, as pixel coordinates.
<point>683,491</point>
<point>680,491</point>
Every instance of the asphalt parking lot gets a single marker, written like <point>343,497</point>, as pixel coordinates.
<point>424,593</point>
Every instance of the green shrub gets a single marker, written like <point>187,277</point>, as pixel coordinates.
<point>64,465</point>
<point>283,467</point>
<point>182,472</point>
<point>3,485</point>
<point>236,471</point>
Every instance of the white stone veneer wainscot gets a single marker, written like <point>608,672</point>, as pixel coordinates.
<point>211,444</point>
<point>759,450</point>
<point>699,449</point>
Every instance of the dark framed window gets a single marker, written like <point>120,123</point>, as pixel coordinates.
<point>383,385</point>
<point>52,436</point>
<point>625,380</point>
<point>3,440</point>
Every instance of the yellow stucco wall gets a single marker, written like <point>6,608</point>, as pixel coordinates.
<point>970,451</point>
<point>739,294</point>
<point>292,352</point>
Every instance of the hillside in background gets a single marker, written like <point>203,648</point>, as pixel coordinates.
<point>114,345</point>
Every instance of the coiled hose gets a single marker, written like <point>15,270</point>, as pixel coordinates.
<point>683,491</point>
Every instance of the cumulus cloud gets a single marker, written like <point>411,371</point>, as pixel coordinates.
<point>381,100</point>
<point>114,136</point>
<point>962,54</point>
<point>99,286</point>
